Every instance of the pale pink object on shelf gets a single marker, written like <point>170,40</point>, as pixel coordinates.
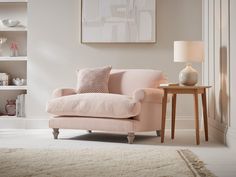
<point>137,86</point>
<point>14,49</point>
<point>10,107</point>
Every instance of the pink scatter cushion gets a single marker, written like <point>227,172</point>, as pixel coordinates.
<point>93,80</point>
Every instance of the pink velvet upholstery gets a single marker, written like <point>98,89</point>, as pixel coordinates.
<point>125,82</point>
<point>148,95</point>
<point>104,105</point>
<point>63,92</point>
<point>140,85</point>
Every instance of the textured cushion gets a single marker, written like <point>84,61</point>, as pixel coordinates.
<point>95,105</point>
<point>93,80</point>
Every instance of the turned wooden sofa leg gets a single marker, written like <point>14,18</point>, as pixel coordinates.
<point>89,131</point>
<point>158,132</point>
<point>55,133</point>
<point>130,138</point>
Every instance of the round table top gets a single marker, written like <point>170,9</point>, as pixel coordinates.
<point>184,87</point>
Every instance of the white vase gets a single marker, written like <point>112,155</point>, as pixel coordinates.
<point>2,41</point>
<point>188,76</point>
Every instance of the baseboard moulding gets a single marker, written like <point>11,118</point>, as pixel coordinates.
<point>231,138</point>
<point>217,130</point>
<point>23,123</point>
<point>182,122</point>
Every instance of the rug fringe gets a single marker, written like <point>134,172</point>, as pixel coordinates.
<point>195,165</point>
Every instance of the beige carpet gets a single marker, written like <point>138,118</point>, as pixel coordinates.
<point>129,161</point>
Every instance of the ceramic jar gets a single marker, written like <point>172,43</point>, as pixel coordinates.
<point>188,76</point>
<point>10,107</point>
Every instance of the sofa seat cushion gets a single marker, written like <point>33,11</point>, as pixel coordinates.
<point>95,105</point>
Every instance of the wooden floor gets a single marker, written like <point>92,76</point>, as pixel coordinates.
<point>218,158</point>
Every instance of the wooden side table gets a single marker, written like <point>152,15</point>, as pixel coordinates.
<point>174,90</point>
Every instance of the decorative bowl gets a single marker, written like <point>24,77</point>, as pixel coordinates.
<point>18,81</point>
<point>10,23</point>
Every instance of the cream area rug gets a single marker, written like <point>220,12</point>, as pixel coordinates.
<point>100,162</point>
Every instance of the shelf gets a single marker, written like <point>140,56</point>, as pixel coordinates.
<point>15,29</point>
<point>13,0</point>
<point>21,58</point>
<point>12,87</point>
<point>16,66</point>
<point>9,117</point>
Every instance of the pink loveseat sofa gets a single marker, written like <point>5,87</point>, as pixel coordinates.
<point>133,104</point>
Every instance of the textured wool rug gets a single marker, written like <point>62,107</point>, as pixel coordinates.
<point>100,162</point>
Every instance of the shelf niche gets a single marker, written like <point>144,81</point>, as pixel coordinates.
<point>14,66</point>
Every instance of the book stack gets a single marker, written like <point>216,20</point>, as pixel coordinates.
<point>20,106</point>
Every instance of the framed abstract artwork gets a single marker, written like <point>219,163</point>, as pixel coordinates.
<point>118,21</point>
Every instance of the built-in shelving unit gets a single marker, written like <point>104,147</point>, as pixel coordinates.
<point>12,87</point>
<point>5,29</point>
<point>15,67</point>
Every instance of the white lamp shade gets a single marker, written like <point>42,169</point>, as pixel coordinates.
<point>188,51</point>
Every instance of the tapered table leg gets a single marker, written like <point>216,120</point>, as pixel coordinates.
<point>163,122</point>
<point>204,108</point>
<point>173,116</point>
<point>196,117</point>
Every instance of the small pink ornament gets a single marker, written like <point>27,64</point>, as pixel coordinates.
<point>14,49</point>
<point>10,107</point>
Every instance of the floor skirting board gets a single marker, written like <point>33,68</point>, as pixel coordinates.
<point>182,122</point>
<point>23,123</point>
<point>231,138</point>
<point>217,130</point>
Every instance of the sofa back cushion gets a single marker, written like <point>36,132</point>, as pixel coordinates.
<point>127,81</point>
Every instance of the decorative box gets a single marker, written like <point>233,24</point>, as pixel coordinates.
<point>4,79</point>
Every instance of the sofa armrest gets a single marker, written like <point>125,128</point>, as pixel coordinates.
<point>148,95</point>
<point>63,92</point>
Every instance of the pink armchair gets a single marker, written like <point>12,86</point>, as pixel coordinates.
<point>133,105</point>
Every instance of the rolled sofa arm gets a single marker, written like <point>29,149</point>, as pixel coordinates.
<point>148,95</point>
<point>63,92</point>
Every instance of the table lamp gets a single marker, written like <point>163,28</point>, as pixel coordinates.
<point>188,52</point>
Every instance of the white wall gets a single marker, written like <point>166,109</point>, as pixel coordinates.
<point>233,61</point>
<point>55,50</point>
<point>231,136</point>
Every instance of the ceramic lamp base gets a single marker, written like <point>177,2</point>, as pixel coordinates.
<point>188,76</point>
